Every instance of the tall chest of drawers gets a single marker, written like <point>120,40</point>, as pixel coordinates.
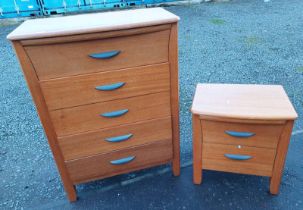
<point>106,89</point>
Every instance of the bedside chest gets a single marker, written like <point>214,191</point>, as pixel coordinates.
<point>106,89</point>
<point>242,129</point>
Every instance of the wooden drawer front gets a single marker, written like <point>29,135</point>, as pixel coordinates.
<point>64,92</point>
<point>59,60</point>
<point>261,162</point>
<point>85,118</point>
<point>228,133</point>
<point>106,140</point>
<point>99,166</point>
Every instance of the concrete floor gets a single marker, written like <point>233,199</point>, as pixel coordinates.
<point>242,41</point>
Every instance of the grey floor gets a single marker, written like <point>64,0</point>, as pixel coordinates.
<point>242,41</point>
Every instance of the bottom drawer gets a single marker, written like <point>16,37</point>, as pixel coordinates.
<point>118,162</point>
<point>238,159</point>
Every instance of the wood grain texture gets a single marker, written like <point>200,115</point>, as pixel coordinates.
<point>90,23</point>
<point>278,167</point>
<point>87,118</point>
<point>63,92</point>
<point>33,84</point>
<point>265,135</point>
<point>250,102</point>
<point>99,166</point>
<point>246,121</point>
<point>174,95</point>
<point>73,58</point>
<point>93,143</point>
<point>60,73</point>
<point>264,110</point>
<point>197,149</point>
<point>261,163</point>
<point>94,36</point>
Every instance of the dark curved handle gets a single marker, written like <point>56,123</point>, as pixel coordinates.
<point>110,86</point>
<point>238,157</point>
<point>123,160</point>
<point>117,113</point>
<point>119,138</point>
<point>105,55</point>
<point>240,134</point>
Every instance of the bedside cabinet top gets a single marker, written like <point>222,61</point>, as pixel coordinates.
<point>255,102</point>
<point>91,23</point>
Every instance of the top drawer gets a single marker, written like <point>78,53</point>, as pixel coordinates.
<point>256,135</point>
<point>65,59</point>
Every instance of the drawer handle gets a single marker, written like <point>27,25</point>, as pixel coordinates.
<point>105,55</point>
<point>240,134</point>
<point>238,157</point>
<point>119,138</point>
<point>123,160</point>
<point>114,113</point>
<point>111,86</point>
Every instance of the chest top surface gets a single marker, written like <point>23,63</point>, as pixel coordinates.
<point>91,23</point>
<point>259,102</point>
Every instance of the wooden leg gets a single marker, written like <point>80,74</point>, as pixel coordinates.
<point>197,150</point>
<point>71,193</point>
<point>176,142</point>
<point>280,158</point>
<point>176,166</point>
<point>176,150</point>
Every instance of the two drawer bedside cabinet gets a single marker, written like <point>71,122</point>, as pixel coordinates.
<point>105,86</point>
<point>242,129</point>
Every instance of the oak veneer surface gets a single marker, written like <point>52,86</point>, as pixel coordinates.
<point>174,92</point>
<point>85,118</point>
<point>94,167</point>
<point>261,162</point>
<point>62,76</point>
<point>94,142</point>
<point>90,23</point>
<point>242,129</point>
<point>66,59</point>
<point>63,92</point>
<point>265,102</point>
<point>264,135</point>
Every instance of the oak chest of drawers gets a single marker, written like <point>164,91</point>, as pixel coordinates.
<point>241,129</point>
<point>106,89</point>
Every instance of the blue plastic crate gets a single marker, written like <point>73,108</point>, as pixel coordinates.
<point>61,6</point>
<point>100,2</point>
<point>19,8</point>
<point>159,1</point>
<point>109,4</point>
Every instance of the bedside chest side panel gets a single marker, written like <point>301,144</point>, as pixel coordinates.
<point>280,159</point>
